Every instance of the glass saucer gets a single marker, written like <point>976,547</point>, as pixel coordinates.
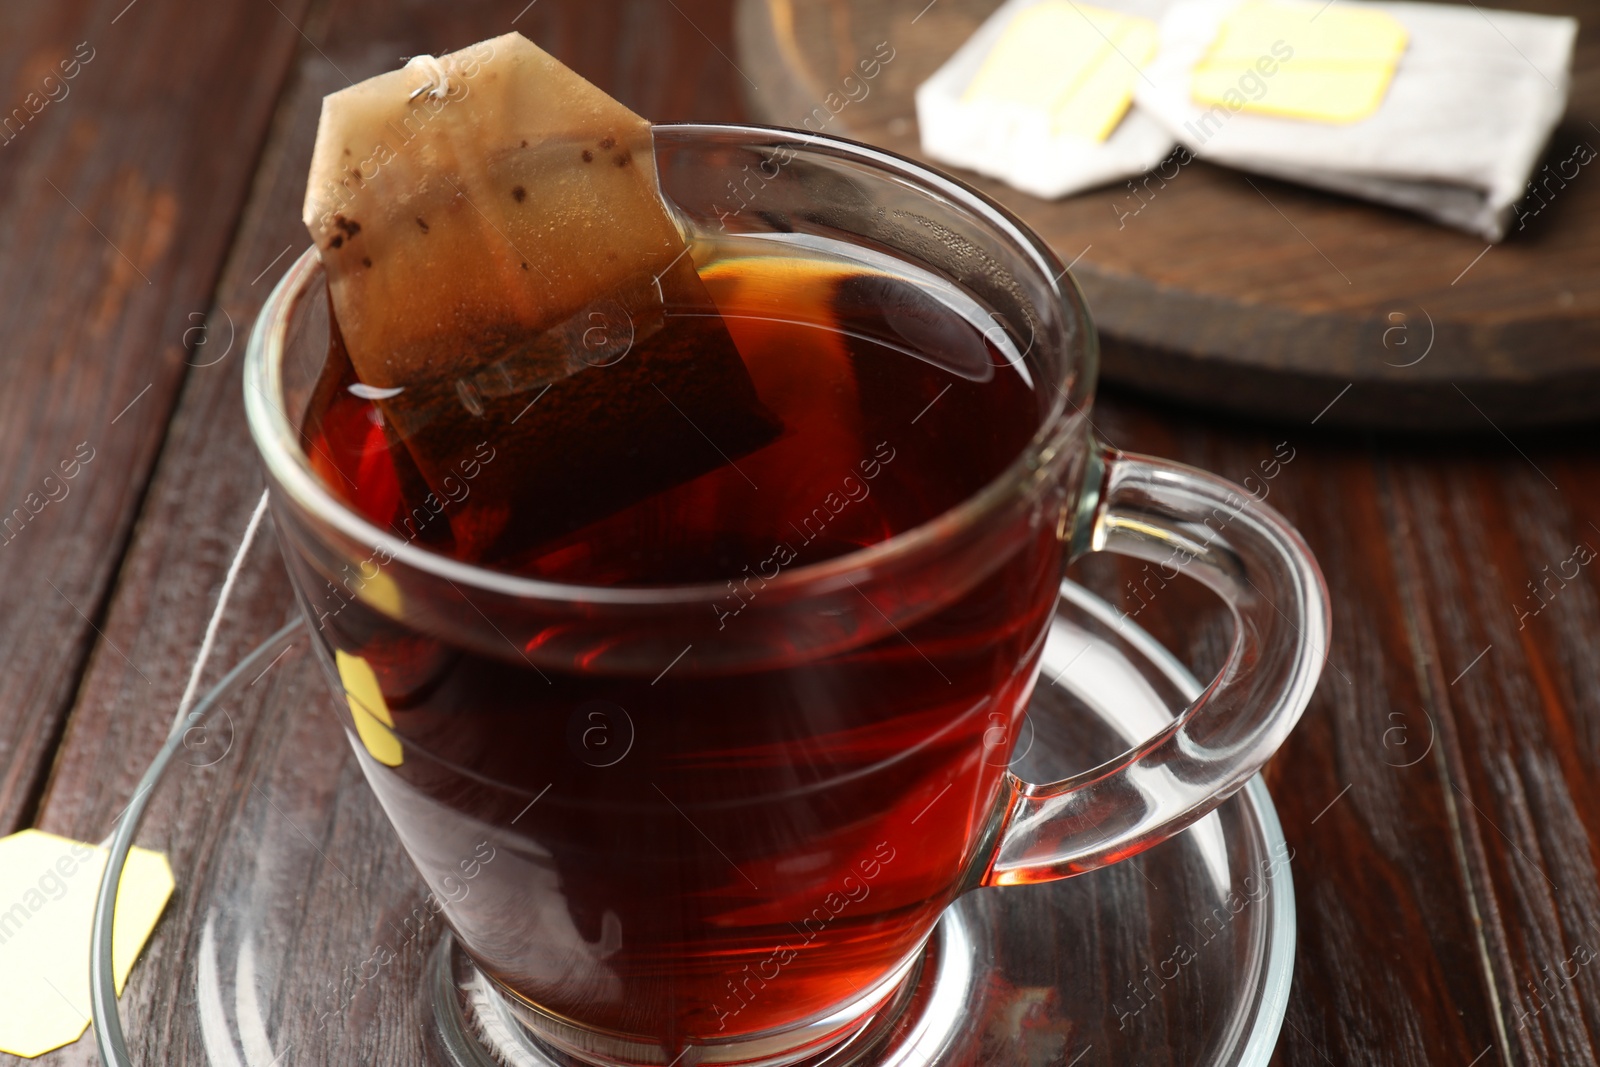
<point>300,933</point>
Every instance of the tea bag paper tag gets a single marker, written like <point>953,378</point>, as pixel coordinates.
<point>1334,66</point>
<point>48,886</point>
<point>1074,64</point>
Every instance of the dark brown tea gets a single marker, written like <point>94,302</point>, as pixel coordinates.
<point>702,847</point>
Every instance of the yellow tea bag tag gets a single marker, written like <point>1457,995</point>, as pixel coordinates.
<point>383,593</point>
<point>1283,57</point>
<point>374,724</point>
<point>1073,62</point>
<point>48,886</point>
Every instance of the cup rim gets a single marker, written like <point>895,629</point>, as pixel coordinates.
<point>277,440</point>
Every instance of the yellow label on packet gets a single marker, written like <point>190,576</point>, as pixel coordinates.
<point>1320,62</point>
<point>1073,62</point>
<point>374,724</point>
<point>48,886</point>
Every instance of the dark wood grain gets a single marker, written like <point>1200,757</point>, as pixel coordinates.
<point>1443,807</point>
<point>1523,771</point>
<point>1247,294</point>
<point>117,204</point>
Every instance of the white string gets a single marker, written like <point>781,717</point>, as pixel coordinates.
<point>438,76</point>
<point>222,603</point>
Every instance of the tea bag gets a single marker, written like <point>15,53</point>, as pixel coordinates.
<point>1440,109</point>
<point>511,289</point>
<point>1038,96</point>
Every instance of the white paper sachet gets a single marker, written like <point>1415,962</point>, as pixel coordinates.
<point>1455,137</point>
<point>1019,141</point>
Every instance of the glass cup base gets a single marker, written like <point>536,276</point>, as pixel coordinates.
<point>479,1025</point>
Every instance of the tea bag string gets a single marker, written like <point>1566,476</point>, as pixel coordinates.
<point>438,75</point>
<point>208,642</point>
<point>210,638</point>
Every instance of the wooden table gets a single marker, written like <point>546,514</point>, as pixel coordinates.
<point>1442,794</point>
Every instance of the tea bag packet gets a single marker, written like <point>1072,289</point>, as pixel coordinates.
<point>1436,108</point>
<point>1039,96</point>
<point>505,275</point>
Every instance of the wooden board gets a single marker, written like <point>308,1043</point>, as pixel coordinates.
<point>1240,293</point>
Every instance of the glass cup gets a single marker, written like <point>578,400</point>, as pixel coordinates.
<point>737,857</point>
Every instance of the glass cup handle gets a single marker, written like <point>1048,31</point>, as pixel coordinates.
<point>1194,523</point>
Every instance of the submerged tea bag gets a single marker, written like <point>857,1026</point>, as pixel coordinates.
<point>504,274</point>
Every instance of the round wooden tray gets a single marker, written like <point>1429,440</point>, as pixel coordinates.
<point>1256,295</point>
